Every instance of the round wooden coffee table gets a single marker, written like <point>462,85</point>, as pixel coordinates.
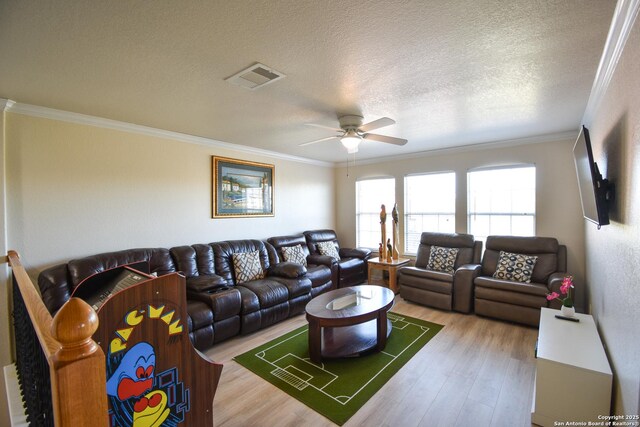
<point>348,321</point>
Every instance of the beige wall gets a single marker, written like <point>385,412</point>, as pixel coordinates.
<point>558,211</point>
<point>76,190</point>
<point>613,252</point>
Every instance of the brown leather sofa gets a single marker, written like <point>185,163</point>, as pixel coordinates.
<point>352,265</point>
<point>217,306</point>
<point>320,268</point>
<point>516,301</point>
<point>284,291</point>
<point>447,291</point>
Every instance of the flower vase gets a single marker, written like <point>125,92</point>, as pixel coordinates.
<point>568,311</point>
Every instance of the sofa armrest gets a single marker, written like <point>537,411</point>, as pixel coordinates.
<point>204,283</point>
<point>355,253</point>
<point>289,270</point>
<point>463,289</point>
<point>554,282</point>
<point>321,260</point>
<point>225,302</point>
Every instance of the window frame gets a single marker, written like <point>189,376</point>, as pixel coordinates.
<point>388,209</point>
<point>406,214</point>
<point>511,214</point>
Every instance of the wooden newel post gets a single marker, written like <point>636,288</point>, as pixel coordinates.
<point>78,374</point>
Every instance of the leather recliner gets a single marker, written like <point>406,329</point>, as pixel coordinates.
<point>447,291</point>
<point>352,265</point>
<point>320,268</point>
<point>516,301</point>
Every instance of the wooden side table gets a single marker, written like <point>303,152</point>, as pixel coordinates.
<point>390,267</point>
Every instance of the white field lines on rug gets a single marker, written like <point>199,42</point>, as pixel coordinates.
<point>301,373</point>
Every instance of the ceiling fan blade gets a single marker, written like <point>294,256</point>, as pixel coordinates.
<point>324,127</point>
<point>383,138</point>
<point>317,140</point>
<point>376,124</point>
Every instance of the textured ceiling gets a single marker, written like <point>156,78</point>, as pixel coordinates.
<point>450,73</point>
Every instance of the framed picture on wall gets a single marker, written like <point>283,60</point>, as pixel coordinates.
<point>241,188</point>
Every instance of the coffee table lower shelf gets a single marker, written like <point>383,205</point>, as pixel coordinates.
<point>350,341</point>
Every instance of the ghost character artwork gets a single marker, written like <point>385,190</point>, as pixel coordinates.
<point>130,388</point>
<point>143,389</point>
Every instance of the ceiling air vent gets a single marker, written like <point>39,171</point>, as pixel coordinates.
<point>256,76</point>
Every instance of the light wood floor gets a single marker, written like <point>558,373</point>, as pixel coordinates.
<point>475,372</point>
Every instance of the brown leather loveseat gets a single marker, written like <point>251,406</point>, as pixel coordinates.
<point>514,300</point>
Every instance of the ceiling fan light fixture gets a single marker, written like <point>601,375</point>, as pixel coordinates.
<point>351,140</point>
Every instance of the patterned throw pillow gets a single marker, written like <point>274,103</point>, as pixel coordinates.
<point>515,267</point>
<point>247,266</point>
<point>294,254</point>
<point>329,249</point>
<point>442,259</point>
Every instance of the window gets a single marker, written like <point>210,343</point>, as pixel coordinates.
<point>502,202</point>
<point>370,194</point>
<point>429,205</point>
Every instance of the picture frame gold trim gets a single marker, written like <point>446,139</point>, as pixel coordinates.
<point>242,188</point>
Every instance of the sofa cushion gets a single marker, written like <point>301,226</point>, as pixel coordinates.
<point>294,254</point>
<point>200,315</point>
<point>269,292</point>
<point>511,299</point>
<point>247,267</point>
<point>463,242</point>
<point>318,274</point>
<point>442,259</point>
<point>537,289</point>
<point>349,264</point>
<point>328,249</point>
<point>515,267</point>
<point>159,260</point>
<point>427,284</point>
<point>426,274</point>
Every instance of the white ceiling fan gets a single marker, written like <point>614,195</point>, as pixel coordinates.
<point>352,132</point>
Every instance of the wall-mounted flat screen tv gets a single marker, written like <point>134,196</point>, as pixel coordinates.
<point>594,191</point>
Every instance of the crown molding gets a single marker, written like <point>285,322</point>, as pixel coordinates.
<point>6,104</point>
<point>551,137</point>
<point>83,119</point>
<point>624,17</point>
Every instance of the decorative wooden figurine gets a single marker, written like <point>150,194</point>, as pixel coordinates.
<point>389,250</point>
<point>394,215</point>
<point>383,230</point>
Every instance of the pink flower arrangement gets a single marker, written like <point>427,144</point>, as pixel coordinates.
<point>565,289</point>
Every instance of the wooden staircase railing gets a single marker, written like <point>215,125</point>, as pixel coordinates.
<point>76,362</point>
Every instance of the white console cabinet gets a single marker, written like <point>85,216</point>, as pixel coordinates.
<point>573,376</point>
